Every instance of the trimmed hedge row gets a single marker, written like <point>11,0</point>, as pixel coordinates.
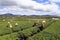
<point>28,32</point>
<point>49,34</point>
<point>31,31</point>
<point>6,30</point>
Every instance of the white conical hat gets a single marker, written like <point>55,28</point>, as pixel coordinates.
<point>16,23</point>
<point>9,22</point>
<point>43,21</point>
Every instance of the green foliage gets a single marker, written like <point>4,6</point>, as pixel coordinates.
<point>51,31</point>
<point>29,31</point>
<point>12,36</point>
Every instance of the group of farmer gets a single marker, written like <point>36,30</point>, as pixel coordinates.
<point>41,27</point>
<point>10,25</point>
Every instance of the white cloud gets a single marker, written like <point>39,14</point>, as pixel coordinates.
<point>37,6</point>
<point>28,7</point>
<point>54,0</point>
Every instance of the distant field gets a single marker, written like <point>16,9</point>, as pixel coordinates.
<point>51,32</point>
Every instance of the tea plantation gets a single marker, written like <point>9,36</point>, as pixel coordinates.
<point>25,31</point>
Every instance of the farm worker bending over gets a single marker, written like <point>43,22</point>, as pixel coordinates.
<point>42,25</point>
<point>16,24</point>
<point>35,23</point>
<point>9,25</point>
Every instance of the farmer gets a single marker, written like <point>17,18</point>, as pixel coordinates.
<point>42,25</point>
<point>16,24</point>
<point>9,25</point>
<point>35,23</point>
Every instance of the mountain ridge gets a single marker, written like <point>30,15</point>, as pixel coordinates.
<point>10,14</point>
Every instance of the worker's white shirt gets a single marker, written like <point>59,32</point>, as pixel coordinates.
<point>10,26</point>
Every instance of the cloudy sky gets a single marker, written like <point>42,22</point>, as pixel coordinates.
<point>30,7</point>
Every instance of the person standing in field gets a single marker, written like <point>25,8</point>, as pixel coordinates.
<point>35,23</point>
<point>42,25</point>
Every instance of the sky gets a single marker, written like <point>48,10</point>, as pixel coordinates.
<point>30,7</point>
